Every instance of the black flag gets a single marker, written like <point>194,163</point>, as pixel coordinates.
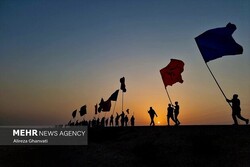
<point>114,96</point>
<point>104,105</point>
<point>74,113</point>
<point>83,110</point>
<point>123,86</point>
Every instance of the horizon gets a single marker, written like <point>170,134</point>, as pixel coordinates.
<point>58,56</point>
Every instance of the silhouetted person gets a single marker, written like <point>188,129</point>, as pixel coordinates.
<point>106,122</point>
<point>72,124</point>
<point>102,121</point>
<point>94,122</point>
<point>170,114</point>
<point>126,120</point>
<point>236,109</point>
<point>98,122</point>
<point>122,118</point>
<point>176,112</point>
<point>152,114</point>
<point>117,119</point>
<point>111,122</point>
<point>132,121</point>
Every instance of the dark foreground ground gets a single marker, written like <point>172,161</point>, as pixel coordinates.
<point>142,146</point>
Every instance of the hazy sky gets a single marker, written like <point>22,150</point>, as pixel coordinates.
<point>57,55</point>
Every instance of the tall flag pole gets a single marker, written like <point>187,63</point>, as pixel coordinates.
<point>218,42</point>
<point>122,99</point>
<point>168,96</point>
<point>216,82</point>
<point>123,88</point>
<point>172,74</point>
<point>114,108</point>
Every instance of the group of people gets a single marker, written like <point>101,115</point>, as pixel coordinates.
<point>120,120</point>
<point>172,112</point>
<point>124,120</point>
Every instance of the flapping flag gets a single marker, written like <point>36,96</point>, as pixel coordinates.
<point>83,110</point>
<point>218,42</point>
<point>114,96</point>
<point>123,86</point>
<point>74,113</point>
<point>104,105</point>
<point>172,72</point>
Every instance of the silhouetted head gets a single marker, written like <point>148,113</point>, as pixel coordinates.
<point>231,27</point>
<point>176,102</point>
<point>235,96</point>
<point>169,105</point>
<point>151,108</point>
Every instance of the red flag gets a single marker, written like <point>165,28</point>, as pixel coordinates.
<point>172,72</point>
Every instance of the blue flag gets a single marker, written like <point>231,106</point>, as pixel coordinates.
<point>218,42</point>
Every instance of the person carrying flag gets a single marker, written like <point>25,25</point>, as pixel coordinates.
<point>236,109</point>
<point>176,112</point>
<point>170,114</point>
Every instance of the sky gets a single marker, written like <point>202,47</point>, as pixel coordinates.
<point>58,55</point>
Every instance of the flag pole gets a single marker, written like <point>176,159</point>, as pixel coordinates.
<point>217,83</point>
<point>168,95</point>
<point>114,108</point>
<point>122,100</point>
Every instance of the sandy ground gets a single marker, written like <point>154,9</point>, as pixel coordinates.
<point>142,146</point>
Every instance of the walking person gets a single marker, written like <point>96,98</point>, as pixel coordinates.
<point>152,113</point>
